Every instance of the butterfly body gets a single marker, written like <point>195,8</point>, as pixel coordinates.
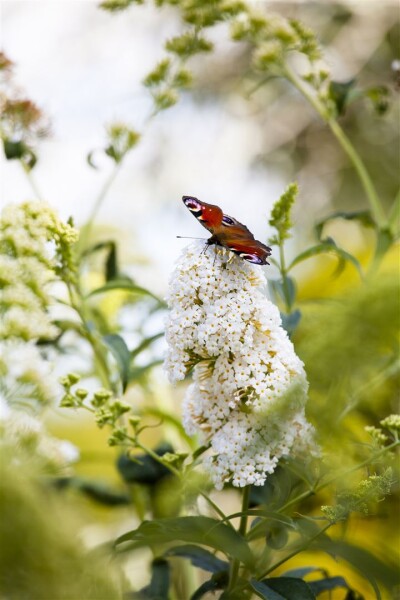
<point>227,231</point>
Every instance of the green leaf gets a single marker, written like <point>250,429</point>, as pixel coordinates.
<point>145,344</point>
<point>363,216</point>
<point>111,266</point>
<point>158,589</point>
<point>142,468</point>
<point>199,557</point>
<point>330,583</point>
<point>302,572</point>
<point>122,355</point>
<point>160,579</point>
<point>339,92</point>
<point>383,242</point>
<point>394,217</point>
<point>287,588</point>
<point>291,321</point>
<point>379,96</point>
<point>19,151</point>
<point>263,591</point>
<point>197,530</point>
<point>327,246</point>
<point>370,566</point>
<point>262,527</point>
<point>100,492</point>
<point>277,536</point>
<point>90,161</point>
<point>138,372</point>
<point>122,284</point>
<point>217,582</point>
<point>285,289</point>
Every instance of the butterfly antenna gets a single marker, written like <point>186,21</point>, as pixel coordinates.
<point>186,237</point>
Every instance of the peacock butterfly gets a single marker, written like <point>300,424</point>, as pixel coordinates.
<point>227,232</point>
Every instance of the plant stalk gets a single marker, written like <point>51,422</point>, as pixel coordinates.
<point>235,565</point>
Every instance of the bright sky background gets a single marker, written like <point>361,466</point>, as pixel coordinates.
<point>84,68</point>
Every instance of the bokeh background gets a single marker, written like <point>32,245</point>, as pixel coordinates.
<point>226,143</point>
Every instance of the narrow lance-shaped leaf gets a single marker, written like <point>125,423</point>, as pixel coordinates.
<point>287,588</point>
<point>199,557</point>
<point>122,355</point>
<point>363,216</point>
<point>123,284</point>
<point>327,246</point>
<point>145,344</point>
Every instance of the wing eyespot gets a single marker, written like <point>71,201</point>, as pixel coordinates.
<point>228,221</point>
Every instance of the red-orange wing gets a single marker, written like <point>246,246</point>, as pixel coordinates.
<point>209,215</point>
<point>228,232</point>
<point>251,250</point>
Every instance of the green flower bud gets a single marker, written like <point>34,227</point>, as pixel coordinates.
<point>267,55</point>
<point>81,393</point>
<point>73,378</point>
<point>134,421</point>
<point>67,401</point>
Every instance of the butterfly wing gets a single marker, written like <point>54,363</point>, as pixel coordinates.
<point>251,250</point>
<point>227,231</point>
<point>209,215</point>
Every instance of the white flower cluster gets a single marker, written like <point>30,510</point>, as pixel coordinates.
<point>26,378</point>
<point>27,263</point>
<point>249,387</point>
<point>27,438</point>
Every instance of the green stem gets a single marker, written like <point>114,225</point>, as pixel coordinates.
<point>31,179</point>
<point>374,202</point>
<point>157,458</point>
<point>235,565</point>
<point>87,228</point>
<point>283,271</point>
<point>98,349</point>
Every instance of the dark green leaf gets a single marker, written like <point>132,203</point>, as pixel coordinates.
<point>122,284</point>
<point>100,492</point>
<point>160,578</point>
<point>142,468</point>
<point>158,589</point>
<point>339,93</point>
<point>301,572</point>
<point>199,557</point>
<point>89,159</point>
<point>217,582</point>
<point>394,217</point>
<point>111,266</point>
<point>363,216</point>
<point>372,568</point>
<point>289,588</point>
<point>263,526</point>
<point>263,591</point>
<point>379,97</point>
<point>19,151</point>
<point>122,355</point>
<point>145,344</point>
<point>384,241</point>
<point>290,322</point>
<point>327,246</point>
<point>330,583</point>
<point>197,530</point>
<point>277,536</point>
